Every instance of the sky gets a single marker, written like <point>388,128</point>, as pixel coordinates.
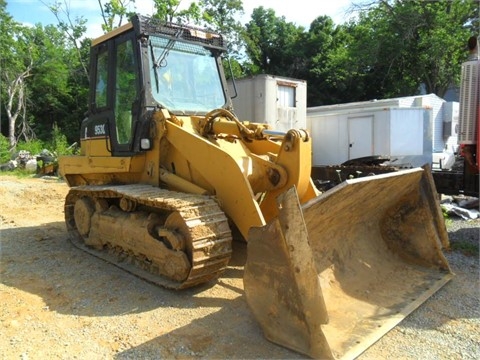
<point>300,12</point>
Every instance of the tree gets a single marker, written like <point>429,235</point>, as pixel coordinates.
<point>168,11</point>
<point>65,106</point>
<point>392,49</point>
<point>53,89</point>
<point>43,80</point>
<point>218,15</point>
<point>259,36</point>
<point>442,39</point>
<point>328,69</point>
<point>319,55</point>
<point>74,29</point>
<point>403,44</point>
<point>272,44</point>
<point>17,57</point>
<point>222,16</point>
<point>114,12</point>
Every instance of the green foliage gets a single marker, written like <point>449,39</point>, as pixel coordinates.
<point>4,150</point>
<point>390,50</point>
<point>232,66</point>
<point>445,215</point>
<point>400,45</point>
<point>114,12</point>
<point>260,38</point>
<point>21,173</point>
<point>166,10</point>
<point>34,147</point>
<point>54,85</point>
<point>465,247</point>
<point>329,68</point>
<point>59,144</point>
<point>223,16</point>
<point>16,62</point>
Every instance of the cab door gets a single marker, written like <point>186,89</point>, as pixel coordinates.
<point>95,129</point>
<point>114,89</point>
<point>125,95</point>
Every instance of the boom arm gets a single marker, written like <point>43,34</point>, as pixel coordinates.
<point>244,173</point>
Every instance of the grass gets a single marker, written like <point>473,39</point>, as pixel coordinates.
<point>448,221</point>
<point>20,173</point>
<point>466,248</point>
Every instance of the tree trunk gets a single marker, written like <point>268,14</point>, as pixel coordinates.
<point>16,103</point>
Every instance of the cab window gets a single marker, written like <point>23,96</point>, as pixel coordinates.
<point>125,92</point>
<point>101,80</point>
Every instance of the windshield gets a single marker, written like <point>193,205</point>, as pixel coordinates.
<point>184,77</point>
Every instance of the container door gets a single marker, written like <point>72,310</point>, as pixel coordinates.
<point>286,109</point>
<point>360,137</point>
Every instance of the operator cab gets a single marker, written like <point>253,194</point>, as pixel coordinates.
<point>146,65</point>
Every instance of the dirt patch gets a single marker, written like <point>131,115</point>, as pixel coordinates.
<point>58,302</point>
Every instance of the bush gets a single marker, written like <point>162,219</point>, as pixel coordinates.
<point>4,150</point>
<point>55,147</point>
<point>34,147</point>
<point>59,145</point>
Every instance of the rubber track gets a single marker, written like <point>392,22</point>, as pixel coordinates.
<point>197,209</point>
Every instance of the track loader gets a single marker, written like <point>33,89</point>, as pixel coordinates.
<point>167,173</point>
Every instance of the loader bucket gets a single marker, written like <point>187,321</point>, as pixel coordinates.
<point>329,278</point>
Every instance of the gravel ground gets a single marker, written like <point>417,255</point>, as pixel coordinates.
<point>57,302</point>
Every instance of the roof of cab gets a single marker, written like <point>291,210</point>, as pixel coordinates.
<point>112,33</point>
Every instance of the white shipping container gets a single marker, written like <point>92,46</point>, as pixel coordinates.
<point>430,101</point>
<point>278,101</point>
<point>403,134</point>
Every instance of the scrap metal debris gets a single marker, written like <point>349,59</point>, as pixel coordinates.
<point>44,163</point>
<point>466,207</point>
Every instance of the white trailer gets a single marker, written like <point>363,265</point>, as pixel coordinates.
<point>278,101</point>
<point>441,129</point>
<point>402,134</point>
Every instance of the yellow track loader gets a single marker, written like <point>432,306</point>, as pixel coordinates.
<point>167,173</point>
